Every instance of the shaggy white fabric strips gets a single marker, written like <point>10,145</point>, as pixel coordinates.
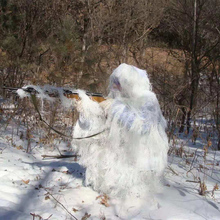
<point>43,94</point>
<point>130,157</point>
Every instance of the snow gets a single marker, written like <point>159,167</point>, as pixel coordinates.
<point>178,200</point>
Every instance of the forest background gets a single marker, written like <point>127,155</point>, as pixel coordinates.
<point>78,43</point>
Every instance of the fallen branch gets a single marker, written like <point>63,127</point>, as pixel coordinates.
<point>59,156</point>
<point>192,181</point>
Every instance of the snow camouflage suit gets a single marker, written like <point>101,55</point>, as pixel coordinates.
<point>130,156</point>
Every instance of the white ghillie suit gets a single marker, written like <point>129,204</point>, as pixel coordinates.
<point>130,156</point>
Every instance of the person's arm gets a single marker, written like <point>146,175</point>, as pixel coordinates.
<point>91,115</point>
<point>140,120</point>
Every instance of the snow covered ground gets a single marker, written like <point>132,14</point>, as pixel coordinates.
<point>35,188</point>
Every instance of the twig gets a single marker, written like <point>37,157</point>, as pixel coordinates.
<point>61,204</point>
<point>34,215</point>
<point>173,170</point>
<point>195,156</point>
<point>217,30</point>
<point>2,150</point>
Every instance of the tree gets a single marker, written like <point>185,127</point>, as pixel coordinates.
<point>24,25</point>
<point>128,23</point>
<point>192,25</point>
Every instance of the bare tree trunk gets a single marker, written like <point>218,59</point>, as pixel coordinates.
<point>194,69</point>
<point>217,118</point>
<point>183,120</point>
<point>217,109</point>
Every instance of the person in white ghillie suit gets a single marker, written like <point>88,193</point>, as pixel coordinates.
<point>129,158</point>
